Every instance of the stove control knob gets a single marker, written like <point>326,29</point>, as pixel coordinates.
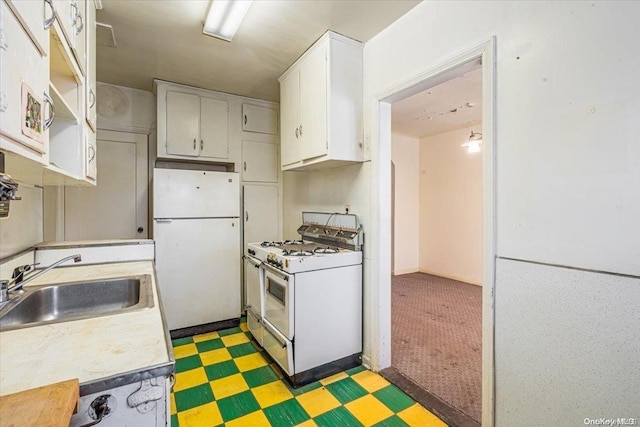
<point>251,252</point>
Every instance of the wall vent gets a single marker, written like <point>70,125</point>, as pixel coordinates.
<point>104,35</point>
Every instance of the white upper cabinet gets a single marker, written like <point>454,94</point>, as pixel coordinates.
<point>79,23</point>
<point>321,106</point>
<point>314,140</point>
<point>259,119</point>
<point>214,128</point>
<point>25,112</point>
<point>36,17</point>
<point>259,162</point>
<point>289,116</point>
<point>43,95</point>
<point>195,126</point>
<point>183,124</point>
<point>90,81</point>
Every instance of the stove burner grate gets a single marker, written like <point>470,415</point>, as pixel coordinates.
<point>294,242</point>
<point>270,244</point>
<point>327,250</point>
<point>293,252</point>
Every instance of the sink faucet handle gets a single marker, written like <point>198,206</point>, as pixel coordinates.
<point>4,290</point>
<point>19,272</point>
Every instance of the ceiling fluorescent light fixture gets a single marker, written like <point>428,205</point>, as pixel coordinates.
<point>473,145</point>
<point>224,18</point>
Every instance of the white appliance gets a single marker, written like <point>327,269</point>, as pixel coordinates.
<point>197,234</point>
<point>304,304</point>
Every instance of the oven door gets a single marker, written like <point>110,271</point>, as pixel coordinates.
<point>278,300</point>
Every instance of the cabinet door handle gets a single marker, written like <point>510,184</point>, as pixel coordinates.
<point>300,131</point>
<point>297,133</point>
<point>49,22</point>
<point>75,12</point>
<point>92,98</point>
<point>201,145</point>
<point>246,216</point>
<point>194,144</point>
<point>245,119</point>
<point>92,153</point>
<point>244,166</point>
<point>75,23</point>
<point>52,111</point>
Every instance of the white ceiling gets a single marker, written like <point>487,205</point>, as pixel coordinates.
<point>454,104</point>
<point>163,39</point>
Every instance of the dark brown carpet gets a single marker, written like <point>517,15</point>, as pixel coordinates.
<point>436,327</point>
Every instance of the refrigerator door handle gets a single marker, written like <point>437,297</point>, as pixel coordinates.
<point>163,220</point>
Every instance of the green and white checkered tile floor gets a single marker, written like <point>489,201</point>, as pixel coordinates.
<point>222,378</point>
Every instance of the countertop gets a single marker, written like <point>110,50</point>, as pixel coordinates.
<point>89,349</point>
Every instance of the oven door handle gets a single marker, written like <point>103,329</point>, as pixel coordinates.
<point>256,263</point>
<point>280,274</point>
<point>270,329</point>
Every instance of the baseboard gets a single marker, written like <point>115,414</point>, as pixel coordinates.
<point>366,361</point>
<point>452,277</point>
<point>406,271</point>
<point>203,329</point>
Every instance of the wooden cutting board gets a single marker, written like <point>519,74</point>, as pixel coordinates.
<point>48,406</point>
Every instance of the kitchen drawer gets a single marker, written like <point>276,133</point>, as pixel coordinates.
<point>278,347</point>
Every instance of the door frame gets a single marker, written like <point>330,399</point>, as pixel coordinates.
<point>381,201</point>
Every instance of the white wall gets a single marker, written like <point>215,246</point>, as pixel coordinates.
<point>24,227</point>
<point>405,154</point>
<point>451,207</point>
<point>568,180</point>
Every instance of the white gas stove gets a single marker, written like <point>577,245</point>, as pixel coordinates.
<point>308,292</point>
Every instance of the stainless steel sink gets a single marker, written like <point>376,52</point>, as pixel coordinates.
<point>62,302</point>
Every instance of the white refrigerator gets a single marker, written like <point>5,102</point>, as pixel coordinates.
<point>197,235</point>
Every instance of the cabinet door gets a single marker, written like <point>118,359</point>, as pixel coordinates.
<point>80,33</point>
<point>259,119</point>
<point>214,128</point>
<point>23,71</point>
<point>289,103</point>
<point>90,83</point>
<point>183,124</point>
<point>259,161</point>
<point>34,15</point>
<point>91,166</point>
<point>313,105</point>
<point>261,212</point>
<point>66,13</point>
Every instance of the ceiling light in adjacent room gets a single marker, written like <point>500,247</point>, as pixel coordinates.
<point>473,145</point>
<point>224,18</point>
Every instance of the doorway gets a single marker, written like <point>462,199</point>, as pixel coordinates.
<point>117,207</point>
<point>436,294</point>
<point>381,355</point>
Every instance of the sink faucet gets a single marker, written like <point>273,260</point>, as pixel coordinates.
<point>18,283</point>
